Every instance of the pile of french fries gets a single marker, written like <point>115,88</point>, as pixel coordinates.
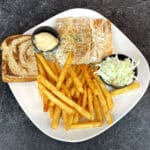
<point>74,93</point>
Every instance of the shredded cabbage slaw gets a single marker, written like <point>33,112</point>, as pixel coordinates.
<point>117,72</point>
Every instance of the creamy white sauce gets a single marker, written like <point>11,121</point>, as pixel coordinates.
<point>45,41</point>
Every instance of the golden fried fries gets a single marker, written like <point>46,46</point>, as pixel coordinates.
<point>46,67</point>
<point>64,70</point>
<point>76,115</point>
<point>68,82</point>
<point>65,120</point>
<point>106,93</point>
<point>52,66</point>
<point>84,99</point>
<point>103,103</point>
<point>73,90</point>
<point>75,94</point>
<point>98,110</point>
<point>44,98</point>
<point>51,111</point>
<point>41,69</point>
<point>89,80</point>
<point>76,80</point>
<point>90,103</point>
<point>86,125</point>
<point>125,89</point>
<point>56,117</point>
<point>64,98</point>
<point>55,100</point>
<point>45,102</point>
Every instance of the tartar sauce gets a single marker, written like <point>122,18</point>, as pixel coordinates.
<point>45,41</point>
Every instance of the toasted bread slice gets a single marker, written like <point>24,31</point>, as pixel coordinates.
<point>18,60</point>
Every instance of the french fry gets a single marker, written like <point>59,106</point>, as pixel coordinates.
<point>45,102</point>
<point>70,120</point>
<point>46,66</point>
<point>103,104</point>
<point>108,118</point>
<point>84,100</point>
<point>68,82</point>
<point>56,117</point>
<point>66,91</point>
<point>51,111</point>
<point>65,99</point>
<point>61,78</point>
<point>81,76</point>
<point>57,66</point>
<point>52,66</point>
<point>51,104</point>
<point>76,115</point>
<point>106,93</point>
<point>78,70</point>
<point>64,70</point>
<point>43,73</point>
<point>90,103</point>
<point>41,69</point>
<point>54,69</point>
<point>89,80</point>
<point>101,97</point>
<point>73,90</point>
<point>125,89</point>
<point>55,100</point>
<point>77,94</point>
<point>65,119</point>
<point>82,79</point>
<point>44,98</point>
<point>76,118</point>
<point>76,80</point>
<point>51,73</point>
<point>86,125</point>
<point>98,110</point>
<point>64,87</point>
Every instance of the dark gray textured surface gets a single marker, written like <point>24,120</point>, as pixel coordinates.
<point>132,132</point>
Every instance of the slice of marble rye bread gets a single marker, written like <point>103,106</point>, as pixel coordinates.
<point>18,59</point>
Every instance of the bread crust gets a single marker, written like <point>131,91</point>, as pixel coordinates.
<point>3,44</point>
<point>8,78</point>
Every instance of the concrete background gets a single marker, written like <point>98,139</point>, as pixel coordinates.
<point>132,132</point>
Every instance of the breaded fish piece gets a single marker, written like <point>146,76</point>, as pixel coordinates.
<point>89,39</point>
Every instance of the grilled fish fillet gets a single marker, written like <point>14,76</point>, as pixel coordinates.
<point>89,39</point>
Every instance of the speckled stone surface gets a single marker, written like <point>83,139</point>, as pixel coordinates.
<point>132,132</point>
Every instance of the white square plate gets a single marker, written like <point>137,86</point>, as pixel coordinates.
<point>28,97</point>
